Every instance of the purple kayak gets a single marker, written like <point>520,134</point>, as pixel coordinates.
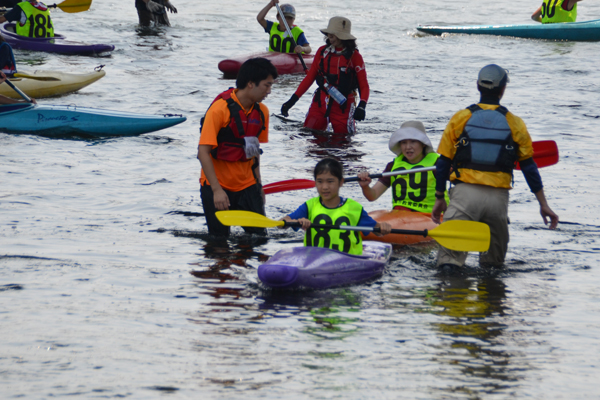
<point>319,268</point>
<point>56,44</point>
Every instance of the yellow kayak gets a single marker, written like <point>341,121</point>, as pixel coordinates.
<point>62,83</point>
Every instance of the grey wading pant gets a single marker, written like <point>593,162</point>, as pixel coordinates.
<point>480,203</point>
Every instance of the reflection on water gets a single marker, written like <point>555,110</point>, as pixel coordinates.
<point>471,308</point>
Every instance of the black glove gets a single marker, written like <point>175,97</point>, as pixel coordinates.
<point>289,104</point>
<point>359,113</point>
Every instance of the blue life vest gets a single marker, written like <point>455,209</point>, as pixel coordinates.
<point>486,143</point>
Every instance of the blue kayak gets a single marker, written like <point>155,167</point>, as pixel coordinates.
<point>586,31</point>
<point>48,120</point>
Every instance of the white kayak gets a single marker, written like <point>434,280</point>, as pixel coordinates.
<point>60,84</point>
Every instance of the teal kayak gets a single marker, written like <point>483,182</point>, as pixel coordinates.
<point>586,31</point>
<point>48,120</point>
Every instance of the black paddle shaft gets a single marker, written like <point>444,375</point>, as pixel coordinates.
<point>392,173</point>
<point>423,233</point>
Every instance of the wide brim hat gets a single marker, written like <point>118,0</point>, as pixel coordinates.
<point>413,130</point>
<point>340,27</point>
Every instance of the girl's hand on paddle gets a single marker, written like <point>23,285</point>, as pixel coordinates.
<point>438,208</point>
<point>304,223</point>
<point>548,213</point>
<point>298,49</point>
<point>221,200</point>
<point>364,179</point>
<point>385,228</point>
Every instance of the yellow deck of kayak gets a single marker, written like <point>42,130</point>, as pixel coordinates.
<point>67,83</point>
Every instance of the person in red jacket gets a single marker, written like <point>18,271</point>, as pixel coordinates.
<point>339,70</point>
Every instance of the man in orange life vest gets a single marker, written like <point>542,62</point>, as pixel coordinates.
<point>229,151</point>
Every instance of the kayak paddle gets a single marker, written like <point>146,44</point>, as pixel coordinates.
<point>35,77</point>
<point>545,153</point>
<point>298,184</point>
<point>453,235</point>
<point>73,6</point>
<point>19,91</point>
<point>289,32</point>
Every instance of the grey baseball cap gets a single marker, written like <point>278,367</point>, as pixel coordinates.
<point>288,10</point>
<point>492,76</point>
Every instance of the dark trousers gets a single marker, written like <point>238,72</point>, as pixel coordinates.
<point>249,199</point>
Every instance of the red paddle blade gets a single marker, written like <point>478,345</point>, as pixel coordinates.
<point>292,184</point>
<point>545,153</point>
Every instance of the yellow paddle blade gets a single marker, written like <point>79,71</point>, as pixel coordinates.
<point>35,77</point>
<point>246,218</point>
<point>462,235</point>
<point>74,6</point>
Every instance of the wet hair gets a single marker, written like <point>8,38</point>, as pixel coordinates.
<point>494,93</point>
<point>255,70</point>
<point>334,167</point>
<point>350,45</point>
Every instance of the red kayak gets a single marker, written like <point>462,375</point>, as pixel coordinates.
<point>286,63</point>
<point>402,219</point>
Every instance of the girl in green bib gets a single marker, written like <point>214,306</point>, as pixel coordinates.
<point>415,192</point>
<point>331,209</point>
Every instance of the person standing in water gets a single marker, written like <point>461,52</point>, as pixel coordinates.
<point>278,37</point>
<point>229,148</point>
<point>339,70</point>
<point>154,11</point>
<point>478,152</point>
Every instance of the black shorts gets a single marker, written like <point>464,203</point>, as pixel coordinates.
<point>249,199</point>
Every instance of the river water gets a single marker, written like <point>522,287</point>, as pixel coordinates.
<point>110,286</point>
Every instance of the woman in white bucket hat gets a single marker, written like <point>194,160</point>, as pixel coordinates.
<point>339,70</point>
<point>415,192</point>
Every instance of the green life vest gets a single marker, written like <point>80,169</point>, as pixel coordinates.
<point>39,23</point>
<point>414,191</point>
<point>552,12</point>
<point>347,214</point>
<point>280,41</point>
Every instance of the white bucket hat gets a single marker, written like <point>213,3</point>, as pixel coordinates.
<point>340,27</point>
<point>414,130</point>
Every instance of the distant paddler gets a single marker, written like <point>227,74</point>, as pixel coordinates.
<point>32,19</point>
<point>279,40</point>
<point>154,11</point>
<point>556,11</point>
